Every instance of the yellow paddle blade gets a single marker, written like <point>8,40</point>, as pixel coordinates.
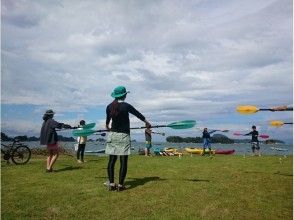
<point>247,109</point>
<point>276,123</point>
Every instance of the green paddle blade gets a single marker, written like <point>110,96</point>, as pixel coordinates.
<point>182,124</point>
<point>82,132</point>
<point>89,126</point>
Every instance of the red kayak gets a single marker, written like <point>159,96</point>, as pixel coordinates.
<point>220,151</point>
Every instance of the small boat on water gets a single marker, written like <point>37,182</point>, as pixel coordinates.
<point>278,149</point>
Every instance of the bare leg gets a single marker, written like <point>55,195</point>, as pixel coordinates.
<point>54,158</point>
<point>49,158</point>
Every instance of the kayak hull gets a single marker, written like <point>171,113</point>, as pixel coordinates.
<point>220,151</point>
<point>198,150</point>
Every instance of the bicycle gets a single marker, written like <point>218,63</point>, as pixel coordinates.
<point>17,151</point>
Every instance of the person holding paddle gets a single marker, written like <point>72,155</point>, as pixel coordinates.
<point>81,144</point>
<point>254,141</point>
<point>207,140</point>
<point>49,137</point>
<point>148,144</point>
<point>118,140</point>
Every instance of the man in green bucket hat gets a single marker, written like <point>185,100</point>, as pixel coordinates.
<point>118,140</point>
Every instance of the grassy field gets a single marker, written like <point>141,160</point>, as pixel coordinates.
<point>224,187</point>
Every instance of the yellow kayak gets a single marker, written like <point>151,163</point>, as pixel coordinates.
<point>193,150</point>
<point>170,149</point>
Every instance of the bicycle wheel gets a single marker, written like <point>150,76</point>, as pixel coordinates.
<point>21,155</point>
<point>4,156</point>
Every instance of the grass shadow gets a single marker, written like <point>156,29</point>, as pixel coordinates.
<point>197,180</point>
<point>135,182</point>
<point>282,174</point>
<point>67,169</point>
<point>252,172</point>
<point>92,160</point>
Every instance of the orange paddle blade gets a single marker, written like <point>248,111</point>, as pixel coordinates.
<point>247,109</point>
<point>276,123</point>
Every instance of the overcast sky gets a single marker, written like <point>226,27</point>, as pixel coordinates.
<point>180,60</point>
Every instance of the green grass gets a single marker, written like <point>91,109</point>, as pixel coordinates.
<point>225,187</point>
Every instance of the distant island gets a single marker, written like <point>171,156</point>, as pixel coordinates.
<point>4,137</point>
<point>216,138</point>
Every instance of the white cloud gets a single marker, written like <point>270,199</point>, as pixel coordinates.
<point>195,59</point>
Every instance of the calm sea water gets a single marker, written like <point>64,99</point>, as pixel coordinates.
<point>240,149</point>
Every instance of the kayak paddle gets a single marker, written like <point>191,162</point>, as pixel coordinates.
<point>215,130</point>
<point>163,134</point>
<point>89,126</point>
<point>279,123</point>
<point>250,109</point>
<point>261,135</point>
<point>102,134</point>
<point>223,130</point>
<point>175,125</point>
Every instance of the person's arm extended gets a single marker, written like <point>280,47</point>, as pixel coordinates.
<point>135,112</point>
<point>212,131</point>
<point>247,134</point>
<point>59,125</point>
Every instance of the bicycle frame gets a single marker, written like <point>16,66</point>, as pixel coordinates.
<point>16,151</point>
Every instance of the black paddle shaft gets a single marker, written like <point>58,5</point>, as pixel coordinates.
<point>155,126</point>
<point>273,110</point>
<point>266,109</point>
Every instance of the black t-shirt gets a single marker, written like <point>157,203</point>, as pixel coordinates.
<point>121,123</point>
<point>254,136</point>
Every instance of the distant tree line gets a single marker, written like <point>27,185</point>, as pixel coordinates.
<point>217,138</point>
<point>4,137</point>
<point>273,141</point>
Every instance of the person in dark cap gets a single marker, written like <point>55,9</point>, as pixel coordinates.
<point>118,140</point>
<point>49,137</point>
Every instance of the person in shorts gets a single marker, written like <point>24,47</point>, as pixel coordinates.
<point>254,141</point>
<point>49,137</point>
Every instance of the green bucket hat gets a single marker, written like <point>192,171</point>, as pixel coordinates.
<point>119,92</point>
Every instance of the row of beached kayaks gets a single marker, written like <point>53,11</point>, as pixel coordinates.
<point>200,151</point>
<point>174,151</point>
